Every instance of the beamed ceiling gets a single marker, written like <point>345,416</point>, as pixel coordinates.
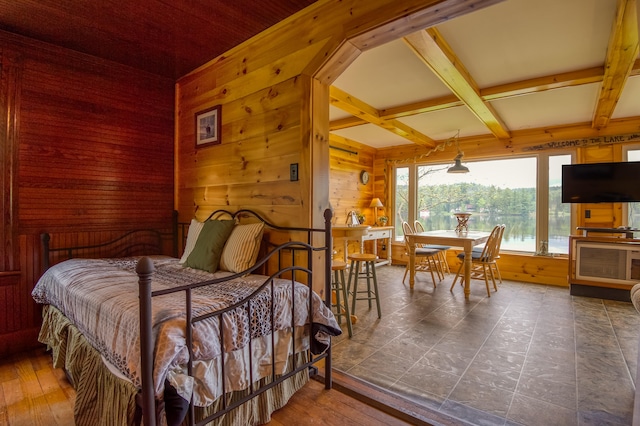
<point>515,67</point>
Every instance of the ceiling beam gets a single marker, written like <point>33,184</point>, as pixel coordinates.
<point>542,84</point>
<point>433,50</point>
<point>622,53</point>
<point>486,146</point>
<point>503,91</point>
<point>359,108</point>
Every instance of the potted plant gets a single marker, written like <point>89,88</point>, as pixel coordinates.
<point>383,220</point>
<point>361,218</point>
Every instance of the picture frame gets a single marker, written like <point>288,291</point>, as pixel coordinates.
<point>209,127</point>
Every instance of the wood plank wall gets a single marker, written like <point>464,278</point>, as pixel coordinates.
<point>95,153</point>
<point>273,91</point>
<point>346,192</point>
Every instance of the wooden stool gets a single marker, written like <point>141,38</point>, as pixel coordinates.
<point>369,274</point>
<point>339,289</point>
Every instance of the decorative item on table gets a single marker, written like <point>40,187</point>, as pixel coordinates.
<point>375,205</point>
<point>353,218</point>
<point>383,220</point>
<point>463,219</point>
<point>361,218</point>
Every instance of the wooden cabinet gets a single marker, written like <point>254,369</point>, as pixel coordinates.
<point>603,266</point>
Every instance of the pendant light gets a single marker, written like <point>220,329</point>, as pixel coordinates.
<point>458,167</point>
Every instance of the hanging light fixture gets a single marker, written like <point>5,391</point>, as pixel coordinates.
<point>458,167</point>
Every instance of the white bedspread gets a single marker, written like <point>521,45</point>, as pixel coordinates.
<point>101,298</point>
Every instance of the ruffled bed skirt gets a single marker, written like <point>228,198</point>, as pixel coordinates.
<point>104,399</point>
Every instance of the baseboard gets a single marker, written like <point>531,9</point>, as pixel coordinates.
<point>19,341</point>
<point>600,292</point>
<point>387,401</point>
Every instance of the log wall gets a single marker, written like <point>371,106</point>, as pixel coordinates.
<point>93,151</point>
<point>273,90</point>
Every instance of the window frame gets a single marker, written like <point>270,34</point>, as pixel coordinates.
<point>625,157</point>
<point>542,191</point>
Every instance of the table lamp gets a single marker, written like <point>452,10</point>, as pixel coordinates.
<point>375,204</point>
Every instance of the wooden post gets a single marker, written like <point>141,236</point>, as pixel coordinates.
<point>145,269</point>
<point>328,214</point>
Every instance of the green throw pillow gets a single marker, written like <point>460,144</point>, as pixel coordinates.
<point>209,245</point>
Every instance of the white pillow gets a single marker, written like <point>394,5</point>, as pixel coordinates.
<point>241,250</point>
<point>192,236</point>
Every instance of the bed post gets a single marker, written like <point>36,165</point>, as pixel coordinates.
<point>45,238</point>
<point>327,287</point>
<point>174,225</point>
<point>144,269</point>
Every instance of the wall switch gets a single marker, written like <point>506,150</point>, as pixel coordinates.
<point>587,214</point>
<point>293,172</point>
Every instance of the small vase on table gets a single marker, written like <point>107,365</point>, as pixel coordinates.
<point>463,219</point>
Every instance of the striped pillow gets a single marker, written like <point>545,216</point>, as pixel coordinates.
<point>241,250</point>
<point>192,236</point>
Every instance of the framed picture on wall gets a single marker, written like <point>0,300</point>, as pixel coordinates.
<point>208,127</point>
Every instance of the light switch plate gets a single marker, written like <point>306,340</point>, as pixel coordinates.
<point>293,172</point>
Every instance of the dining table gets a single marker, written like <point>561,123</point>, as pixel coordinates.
<point>465,240</point>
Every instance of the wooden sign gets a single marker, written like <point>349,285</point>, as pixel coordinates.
<point>576,143</point>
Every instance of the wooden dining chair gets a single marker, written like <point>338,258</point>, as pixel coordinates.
<point>426,260</point>
<point>444,264</point>
<point>482,263</point>
<point>494,265</point>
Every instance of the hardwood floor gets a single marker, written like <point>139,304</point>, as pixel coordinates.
<point>32,392</point>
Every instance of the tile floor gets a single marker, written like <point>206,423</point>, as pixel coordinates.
<point>529,355</point>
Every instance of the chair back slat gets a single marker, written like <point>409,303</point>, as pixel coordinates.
<point>406,228</point>
<point>492,246</point>
<point>417,225</point>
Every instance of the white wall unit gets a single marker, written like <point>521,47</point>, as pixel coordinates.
<point>606,262</point>
<point>602,266</point>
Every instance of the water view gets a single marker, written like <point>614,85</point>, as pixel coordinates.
<point>519,234</point>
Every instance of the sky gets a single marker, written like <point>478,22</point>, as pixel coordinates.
<point>508,173</point>
<point>511,173</point>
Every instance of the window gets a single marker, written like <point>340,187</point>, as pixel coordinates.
<point>402,200</point>
<point>511,191</point>
<point>633,209</point>
<point>559,217</point>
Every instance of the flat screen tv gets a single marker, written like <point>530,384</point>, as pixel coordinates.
<point>601,182</point>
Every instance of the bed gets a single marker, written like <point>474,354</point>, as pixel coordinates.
<point>225,334</point>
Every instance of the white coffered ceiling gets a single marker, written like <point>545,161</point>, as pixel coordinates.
<point>513,55</point>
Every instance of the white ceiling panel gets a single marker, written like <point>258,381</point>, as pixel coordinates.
<point>629,103</point>
<point>444,124</point>
<point>551,108</point>
<point>521,39</point>
<point>390,75</point>
<point>371,135</point>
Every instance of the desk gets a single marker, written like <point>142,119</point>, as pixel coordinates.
<point>361,234</point>
<point>465,240</point>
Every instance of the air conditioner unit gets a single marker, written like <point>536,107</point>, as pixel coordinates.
<point>609,263</point>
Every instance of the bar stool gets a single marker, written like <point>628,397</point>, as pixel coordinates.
<point>369,274</point>
<point>339,289</point>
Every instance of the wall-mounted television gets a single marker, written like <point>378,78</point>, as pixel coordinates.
<point>601,182</point>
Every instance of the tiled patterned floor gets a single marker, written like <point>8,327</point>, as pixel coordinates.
<point>529,355</point>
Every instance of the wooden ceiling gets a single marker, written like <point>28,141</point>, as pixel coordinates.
<point>164,37</point>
